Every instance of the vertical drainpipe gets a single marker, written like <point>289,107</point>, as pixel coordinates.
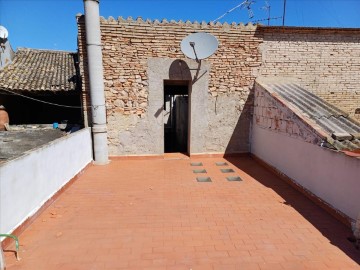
<point>96,81</point>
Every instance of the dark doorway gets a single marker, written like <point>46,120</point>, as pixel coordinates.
<point>176,116</point>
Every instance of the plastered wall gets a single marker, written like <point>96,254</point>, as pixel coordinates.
<point>283,141</point>
<point>27,182</point>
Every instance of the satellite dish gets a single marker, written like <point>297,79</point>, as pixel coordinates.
<point>3,32</point>
<point>199,45</point>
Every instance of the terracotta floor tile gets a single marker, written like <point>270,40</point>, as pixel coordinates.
<point>153,214</point>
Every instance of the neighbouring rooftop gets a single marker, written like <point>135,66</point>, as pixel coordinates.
<point>338,130</point>
<point>40,70</point>
<point>153,214</point>
<point>15,143</point>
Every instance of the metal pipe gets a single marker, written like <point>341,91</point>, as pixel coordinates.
<point>284,11</point>
<point>16,246</point>
<point>96,81</point>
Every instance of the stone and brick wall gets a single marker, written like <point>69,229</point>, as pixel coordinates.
<point>127,47</point>
<point>272,115</point>
<point>324,61</point>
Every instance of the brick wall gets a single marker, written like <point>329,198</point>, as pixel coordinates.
<point>129,44</point>
<point>325,61</point>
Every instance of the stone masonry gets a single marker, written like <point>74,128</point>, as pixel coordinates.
<point>127,47</point>
<point>325,61</point>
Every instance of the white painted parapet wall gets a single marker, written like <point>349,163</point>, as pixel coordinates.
<point>330,175</point>
<point>27,182</point>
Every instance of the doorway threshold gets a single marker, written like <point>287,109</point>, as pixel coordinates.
<point>176,155</point>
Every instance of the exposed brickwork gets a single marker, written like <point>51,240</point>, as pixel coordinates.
<point>127,45</point>
<point>325,61</point>
<point>271,114</point>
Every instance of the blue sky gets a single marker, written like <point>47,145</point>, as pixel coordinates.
<point>51,24</point>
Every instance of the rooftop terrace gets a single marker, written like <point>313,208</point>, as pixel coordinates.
<point>153,214</point>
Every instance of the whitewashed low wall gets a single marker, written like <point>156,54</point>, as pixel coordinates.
<point>27,182</point>
<point>332,176</point>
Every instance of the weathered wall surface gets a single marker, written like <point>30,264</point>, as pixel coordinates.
<point>283,141</point>
<point>326,61</point>
<point>274,116</point>
<point>220,99</point>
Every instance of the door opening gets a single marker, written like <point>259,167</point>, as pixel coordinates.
<point>176,116</point>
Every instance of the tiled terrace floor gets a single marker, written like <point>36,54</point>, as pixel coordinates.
<point>152,214</point>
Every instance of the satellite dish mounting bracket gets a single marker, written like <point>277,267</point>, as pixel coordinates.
<point>199,46</point>
<point>192,44</point>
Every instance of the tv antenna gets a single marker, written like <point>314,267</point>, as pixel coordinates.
<point>272,18</point>
<point>267,8</point>
<point>246,4</point>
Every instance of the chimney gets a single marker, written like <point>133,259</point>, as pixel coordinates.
<point>96,81</point>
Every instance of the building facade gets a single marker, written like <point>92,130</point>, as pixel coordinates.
<point>145,72</point>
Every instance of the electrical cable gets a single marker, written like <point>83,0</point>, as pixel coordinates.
<point>51,103</point>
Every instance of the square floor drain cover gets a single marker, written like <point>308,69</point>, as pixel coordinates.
<point>199,171</point>
<point>221,164</point>
<point>233,178</point>
<point>203,179</point>
<point>196,164</point>
<point>227,170</point>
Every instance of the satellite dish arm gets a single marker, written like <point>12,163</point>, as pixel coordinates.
<point>192,44</point>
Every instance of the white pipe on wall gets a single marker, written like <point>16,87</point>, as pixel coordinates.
<point>96,81</point>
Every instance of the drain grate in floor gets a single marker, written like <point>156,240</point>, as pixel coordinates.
<point>221,164</point>
<point>233,178</point>
<point>227,170</point>
<point>200,171</point>
<point>203,179</point>
<point>196,164</point>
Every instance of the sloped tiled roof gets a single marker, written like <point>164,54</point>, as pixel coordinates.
<point>333,124</point>
<point>40,70</point>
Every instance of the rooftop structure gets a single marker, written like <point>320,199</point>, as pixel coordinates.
<point>16,143</point>
<point>40,70</point>
<point>41,87</point>
<point>231,200</point>
<point>333,125</point>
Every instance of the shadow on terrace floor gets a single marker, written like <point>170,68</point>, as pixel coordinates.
<point>332,229</point>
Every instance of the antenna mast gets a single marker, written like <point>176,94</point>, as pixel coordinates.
<point>267,9</point>
<point>283,22</point>
<point>246,4</point>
